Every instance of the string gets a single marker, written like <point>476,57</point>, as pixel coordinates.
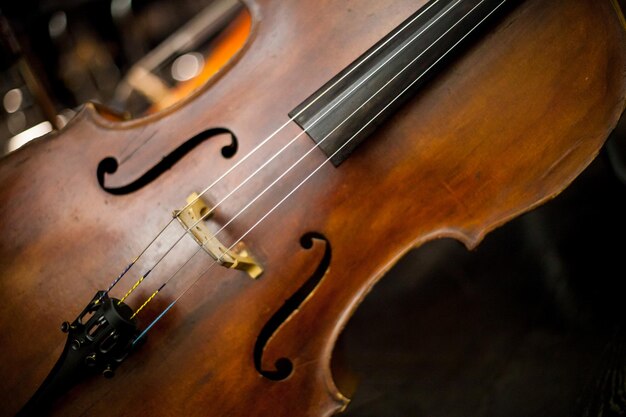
<point>282,149</point>
<point>342,123</point>
<point>212,209</point>
<point>154,294</point>
<point>259,146</point>
<point>209,212</point>
<point>160,316</point>
<point>620,13</point>
<point>330,133</point>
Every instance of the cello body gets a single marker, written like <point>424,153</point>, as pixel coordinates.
<point>503,128</point>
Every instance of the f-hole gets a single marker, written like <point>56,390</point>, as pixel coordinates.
<point>109,165</point>
<point>284,366</point>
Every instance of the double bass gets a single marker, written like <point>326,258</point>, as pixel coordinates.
<point>207,257</point>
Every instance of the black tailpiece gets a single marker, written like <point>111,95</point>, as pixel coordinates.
<point>97,342</point>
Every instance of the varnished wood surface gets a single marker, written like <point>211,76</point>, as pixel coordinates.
<point>506,127</point>
<point>529,324</point>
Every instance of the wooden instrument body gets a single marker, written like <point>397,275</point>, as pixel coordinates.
<point>504,128</point>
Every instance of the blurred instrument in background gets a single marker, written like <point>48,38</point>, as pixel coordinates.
<point>135,58</point>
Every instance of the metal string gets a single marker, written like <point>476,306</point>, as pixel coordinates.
<point>257,147</point>
<point>342,122</point>
<point>143,333</point>
<point>212,209</point>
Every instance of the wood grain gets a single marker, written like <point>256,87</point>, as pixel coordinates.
<point>506,127</point>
